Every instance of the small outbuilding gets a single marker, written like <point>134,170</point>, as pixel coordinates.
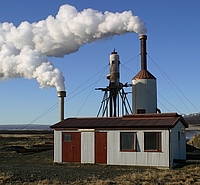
<point>138,139</point>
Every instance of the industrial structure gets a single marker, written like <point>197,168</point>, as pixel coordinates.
<point>114,94</point>
<point>144,91</point>
<point>145,138</point>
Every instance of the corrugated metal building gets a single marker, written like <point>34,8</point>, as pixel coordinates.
<point>138,139</point>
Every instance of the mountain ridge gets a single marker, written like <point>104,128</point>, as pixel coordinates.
<point>25,127</point>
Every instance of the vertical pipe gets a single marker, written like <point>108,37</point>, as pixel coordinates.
<point>111,103</point>
<point>61,95</point>
<point>143,39</point>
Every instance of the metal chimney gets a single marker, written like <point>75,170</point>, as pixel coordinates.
<point>61,95</point>
<point>143,39</point>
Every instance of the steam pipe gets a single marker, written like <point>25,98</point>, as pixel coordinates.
<point>143,39</point>
<point>61,95</point>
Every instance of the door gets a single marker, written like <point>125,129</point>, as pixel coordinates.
<point>101,147</point>
<point>71,147</point>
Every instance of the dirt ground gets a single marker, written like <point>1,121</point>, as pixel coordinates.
<point>23,161</point>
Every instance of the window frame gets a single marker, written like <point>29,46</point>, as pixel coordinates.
<point>158,142</point>
<point>134,142</point>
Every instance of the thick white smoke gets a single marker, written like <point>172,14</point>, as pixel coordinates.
<point>23,48</point>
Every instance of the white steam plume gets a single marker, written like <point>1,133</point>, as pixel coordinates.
<point>23,48</point>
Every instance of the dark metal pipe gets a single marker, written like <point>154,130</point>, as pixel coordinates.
<point>143,39</point>
<point>61,95</point>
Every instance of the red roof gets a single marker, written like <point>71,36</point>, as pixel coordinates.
<point>144,74</point>
<point>133,121</point>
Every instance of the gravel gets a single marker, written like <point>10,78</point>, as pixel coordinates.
<point>39,168</point>
<point>34,167</point>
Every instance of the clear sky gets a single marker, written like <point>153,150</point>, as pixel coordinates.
<point>173,49</point>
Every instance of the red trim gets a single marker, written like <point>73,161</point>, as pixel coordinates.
<point>152,150</point>
<point>134,142</point>
<point>128,150</point>
<point>158,142</point>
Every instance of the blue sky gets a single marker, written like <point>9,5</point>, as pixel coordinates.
<point>173,58</point>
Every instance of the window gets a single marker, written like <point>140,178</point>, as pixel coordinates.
<point>152,141</point>
<point>67,137</point>
<point>127,141</point>
<point>141,111</point>
<point>179,135</point>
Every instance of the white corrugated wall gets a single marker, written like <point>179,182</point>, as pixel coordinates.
<point>139,158</point>
<point>178,146</point>
<point>87,147</point>
<point>144,95</point>
<point>57,146</point>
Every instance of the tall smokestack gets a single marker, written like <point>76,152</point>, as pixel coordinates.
<point>143,39</point>
<point>61,95</point>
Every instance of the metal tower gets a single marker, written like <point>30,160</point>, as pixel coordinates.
<point>114,99</point>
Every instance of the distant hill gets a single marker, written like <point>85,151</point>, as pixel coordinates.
<point>192,119</point>
<point>24,127</point>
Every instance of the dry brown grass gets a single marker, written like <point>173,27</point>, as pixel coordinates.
<point>4,177</point>
<point>195,141</point>
<point>25,140</point>
<point>43,182</point>
<point>188,175</point>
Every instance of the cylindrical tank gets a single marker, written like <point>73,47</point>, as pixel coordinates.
<point>144,96</point>
<point>114,69</point>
